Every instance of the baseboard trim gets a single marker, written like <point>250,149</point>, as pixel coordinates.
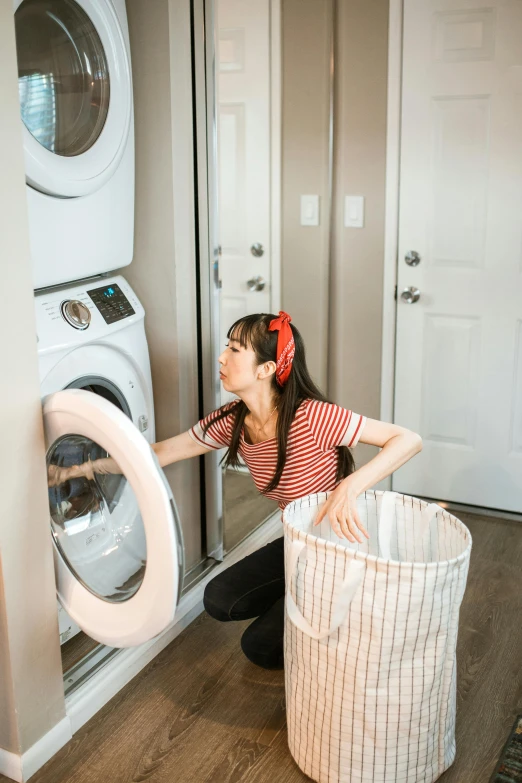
<point>449,505</point>
<point>46,747</point>
<point>11,765</point>
<point>85,702</point>
<point>22,767</point>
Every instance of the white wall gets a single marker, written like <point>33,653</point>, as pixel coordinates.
<point>31,687</point>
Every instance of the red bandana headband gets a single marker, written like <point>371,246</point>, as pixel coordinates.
<point>285,346</point>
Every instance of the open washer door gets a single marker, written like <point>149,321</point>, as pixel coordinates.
<point>118,545</point>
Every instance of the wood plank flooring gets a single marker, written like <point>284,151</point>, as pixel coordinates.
<point>75,649</point>
<point>201,713</point>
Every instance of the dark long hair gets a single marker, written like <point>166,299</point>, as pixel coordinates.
<point>252,330</point>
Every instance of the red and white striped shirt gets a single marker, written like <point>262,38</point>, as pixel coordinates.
<point>311,458</point>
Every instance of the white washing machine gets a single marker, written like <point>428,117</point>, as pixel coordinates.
<point>75,88</point>
<point>117,537</point>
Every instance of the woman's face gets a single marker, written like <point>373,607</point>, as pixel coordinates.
<point>238,370</point>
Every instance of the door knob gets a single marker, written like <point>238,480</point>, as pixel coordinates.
<point>412,258</point>
<point>257,249</point>
<point>256,283</point>
<point>411,295</point>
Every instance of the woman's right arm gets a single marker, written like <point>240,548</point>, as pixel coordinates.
<point>167,451</point>
<point>177,448</point>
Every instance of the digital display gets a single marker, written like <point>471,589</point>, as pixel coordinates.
<point>112,303</point>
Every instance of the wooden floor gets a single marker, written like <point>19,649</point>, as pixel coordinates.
<point>201,713</point>
<point>75,649</point>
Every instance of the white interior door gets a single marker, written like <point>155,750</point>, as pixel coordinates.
<point>459,347</point>
<point>243,133</point>
<point>117,538</point>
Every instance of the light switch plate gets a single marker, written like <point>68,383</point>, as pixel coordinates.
<point>309,210</point>
<point>354,211</point>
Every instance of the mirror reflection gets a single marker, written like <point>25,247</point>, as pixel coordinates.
<point>246,162</point>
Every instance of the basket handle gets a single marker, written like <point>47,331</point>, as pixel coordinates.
<point>341,604</point>
<point>386,518</point>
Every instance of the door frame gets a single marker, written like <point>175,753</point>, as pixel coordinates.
<point>391,221</point>
<point>208,250</point>
<point>276,128</point>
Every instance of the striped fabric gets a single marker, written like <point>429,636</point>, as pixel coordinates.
<point>311,462</point>
<point>370,640</point>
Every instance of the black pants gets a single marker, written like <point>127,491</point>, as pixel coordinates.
<point>254,587</point>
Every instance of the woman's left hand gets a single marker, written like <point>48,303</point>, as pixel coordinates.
<point>341,509</point>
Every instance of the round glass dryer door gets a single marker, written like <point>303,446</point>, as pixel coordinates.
<point>63,75</point>
<point>75,93</point>
<point>117,538</point>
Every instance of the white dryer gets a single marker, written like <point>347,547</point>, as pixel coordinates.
<point>75,89</point>
<point>117,538</point>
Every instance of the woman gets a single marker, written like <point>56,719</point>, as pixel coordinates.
<point>295,443</point>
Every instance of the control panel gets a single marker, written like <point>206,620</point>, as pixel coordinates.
<point>72,315</point>
<point>111,302</point>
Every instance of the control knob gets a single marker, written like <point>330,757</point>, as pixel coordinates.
<point>76,313</point>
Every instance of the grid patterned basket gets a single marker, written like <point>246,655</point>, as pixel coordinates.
<point>370,640</point>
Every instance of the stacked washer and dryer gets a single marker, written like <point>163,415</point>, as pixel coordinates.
<point>117,538</point>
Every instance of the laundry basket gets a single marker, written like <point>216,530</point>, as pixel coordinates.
<point>370,639</point>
